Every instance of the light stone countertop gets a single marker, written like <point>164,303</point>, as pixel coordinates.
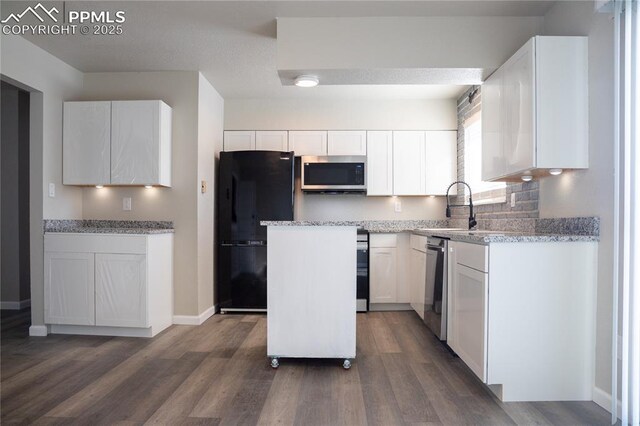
<point>131,227</point>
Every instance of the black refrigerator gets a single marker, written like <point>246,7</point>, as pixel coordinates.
<point>253,186</point>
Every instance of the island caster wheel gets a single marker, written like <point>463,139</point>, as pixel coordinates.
<point>346,364</point>
<point>275,363</point>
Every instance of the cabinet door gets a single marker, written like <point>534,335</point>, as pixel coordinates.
<point>467,328</point>
<point>86,143</point>
<point>493,161</point>
<point>69,288</point>
<point>121,290</point>
<point>379,163</point>
<point>239,140</point>
<point>383,275</point>
<point>313,142</point>
<point>140,143</point>
<point>272,140</point>
<point>519,137</point>
<point>441,162</point>
<point>409,163</point>
<point>417,278</point>
<point>348,142</point>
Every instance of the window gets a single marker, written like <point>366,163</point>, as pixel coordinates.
<point>483,192</point>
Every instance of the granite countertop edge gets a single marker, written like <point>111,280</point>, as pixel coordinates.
<point>119,231</point>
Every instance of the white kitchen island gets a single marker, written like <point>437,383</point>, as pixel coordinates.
<point>311,292</point>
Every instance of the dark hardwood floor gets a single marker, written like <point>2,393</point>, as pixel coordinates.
<point>218,374</point>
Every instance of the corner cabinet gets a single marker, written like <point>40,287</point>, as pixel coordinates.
<point>535,110</point>
<point>117,143</point>
<point>108,284</point>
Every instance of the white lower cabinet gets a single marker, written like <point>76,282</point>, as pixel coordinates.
<point>108,284</point>
<point>69,288</point>
<point>521,316</point>
<point>121,290</point>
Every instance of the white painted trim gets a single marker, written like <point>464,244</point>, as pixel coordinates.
<point>603,399</point>
<point>194,319</point>
<point>38,330</point>
<point>15,306</point>
<point>92,330</point>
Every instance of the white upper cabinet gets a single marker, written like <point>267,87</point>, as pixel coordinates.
<point>140,143</point>
<point>271,140</point>
<point>534,110</point>
<point>239,140</point>
<point>493,159</point>
<point>409,163</point>
<point>441,161</point>
<point>117,143</point>
<point>308,142</point>
<point>379,163</point>
<point>86,143</point>
<point>347,142</point>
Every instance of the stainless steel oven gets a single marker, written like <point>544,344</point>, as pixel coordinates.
<point>435,308</point>
<point>362,296</point>
<point>334,174</point>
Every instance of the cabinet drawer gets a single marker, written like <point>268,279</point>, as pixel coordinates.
<point>95,243</point>
<point>418,242</point>
<point>383,240</point>
<point>474,256</point>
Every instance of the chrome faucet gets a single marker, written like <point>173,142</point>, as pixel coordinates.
<point>472,217</point>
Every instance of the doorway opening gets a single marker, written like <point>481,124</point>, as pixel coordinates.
<point>15,268</point>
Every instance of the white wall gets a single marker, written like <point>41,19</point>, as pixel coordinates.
<point>210,127</point>
<point>340,114</point>
<point>50,82</point>
<point>180,90</point>
<point>316,45</point>
<point>348,114</point>
<point>590,192</point>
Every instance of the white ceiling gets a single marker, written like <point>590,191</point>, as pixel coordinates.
<point>233,43</point>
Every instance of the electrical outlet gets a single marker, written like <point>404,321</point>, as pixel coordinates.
<point>513,199</point>
<point>126,204</point>
<point>398,206</point>
<point>52,190</point>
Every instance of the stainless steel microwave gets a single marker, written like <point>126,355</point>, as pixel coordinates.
<point>334,174</point>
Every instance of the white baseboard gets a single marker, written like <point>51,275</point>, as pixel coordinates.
<point>194,319</point>
<point>38,330</point>
<point>15,306</point>
<point>603,399</point>
<point>390,307</point>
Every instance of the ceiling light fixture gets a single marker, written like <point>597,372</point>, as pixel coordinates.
<point>527,178</point>
<point>148,186</point>
<point>555,172</point>
<point>307,81</point>
<point>99,186</point>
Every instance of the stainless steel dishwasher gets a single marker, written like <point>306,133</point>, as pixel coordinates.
<point>435,308</point>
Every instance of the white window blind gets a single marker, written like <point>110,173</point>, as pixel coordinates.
<point>473,166</point>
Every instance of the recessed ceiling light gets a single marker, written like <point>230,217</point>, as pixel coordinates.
<point>555,172</point>
<point>526,178</point>
<point>99,186</point>
<point>307,81</point>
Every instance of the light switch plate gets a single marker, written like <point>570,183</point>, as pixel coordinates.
<point>52,190</point>
<point>126,203</point>
<point>513,199</point>
<point>398,206</point>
